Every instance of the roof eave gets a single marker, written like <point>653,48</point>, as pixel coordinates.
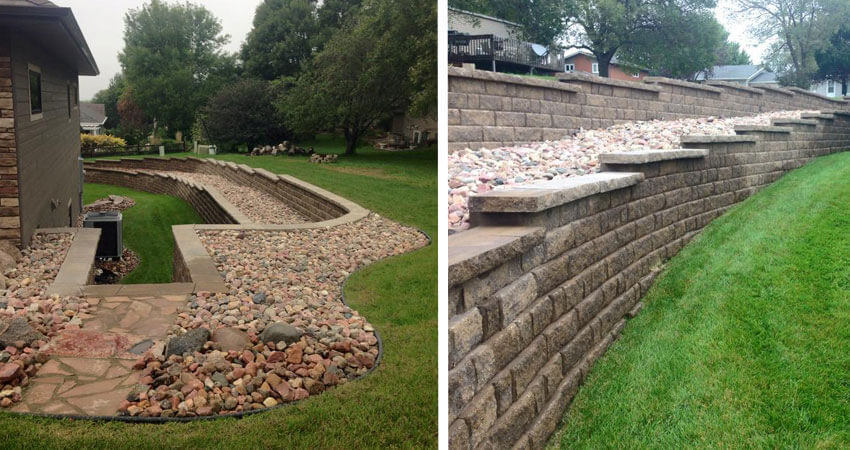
<point>69,23</point>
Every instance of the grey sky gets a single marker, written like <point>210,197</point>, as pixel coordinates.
<point>737,29</point>
<point>102,22</point>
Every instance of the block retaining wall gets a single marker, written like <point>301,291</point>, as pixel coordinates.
<point>546,279</point>
<point>311,202</point>
<point>491,110</point>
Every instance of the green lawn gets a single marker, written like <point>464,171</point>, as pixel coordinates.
<point>395,406</point>
<point>744,340</point>
<point>147,229</point>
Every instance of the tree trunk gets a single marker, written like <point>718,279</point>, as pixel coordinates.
<point>352,136</point>
<point>603,61</point>
<point>844,85</point>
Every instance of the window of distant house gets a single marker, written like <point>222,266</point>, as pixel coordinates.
<point>636,75</point>
<point>830,86</point>
<point>35,92</point>
<point>569,67</point>
<point>594,68</point>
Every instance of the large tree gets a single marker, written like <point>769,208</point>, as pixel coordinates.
<point>798,30</point>
<point>606,26</point>
<point>243,112</point>
<point>109,97</point>
<point>283,38</point>
<point>173,60</point>
<point>681,46</point>
<point>834,61</point>
<point>366,71</point>
<point>731,54</point>
<point>541,20</point>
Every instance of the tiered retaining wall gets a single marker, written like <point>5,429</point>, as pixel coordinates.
<point>545,280</point>
<point>490,110</point>
<point>311,202</point>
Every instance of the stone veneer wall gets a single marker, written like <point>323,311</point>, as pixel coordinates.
<point>489,109</point>
<point>545,281</point>
<point>201,200</point>
<point>296,194</point>
<point>10,226</point>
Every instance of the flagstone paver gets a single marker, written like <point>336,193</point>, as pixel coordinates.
<point>90,370</point>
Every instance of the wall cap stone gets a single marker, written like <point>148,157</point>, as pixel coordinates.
<point>680,83</point>
<point>724,84</point>
<point>777,90</point>
<point>816,95</point>
<point>794,122</point>
<point>731,139</point>
<point>78,263</point>
<point>825,116</point>
<point>649,156</point>
<point>480,249</point>
<point>590,78</point>
<point>762,129</point>
<point>544,195</point>
<point>513,79</point>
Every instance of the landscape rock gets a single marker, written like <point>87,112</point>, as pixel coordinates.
<point>18,330</point>
<point>189,342</point>
<point>281,332</point>
<point>231,339</point>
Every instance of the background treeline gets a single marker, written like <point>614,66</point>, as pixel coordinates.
<point>343,66</point>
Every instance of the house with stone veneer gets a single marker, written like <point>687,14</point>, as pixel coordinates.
<point>42,54</point>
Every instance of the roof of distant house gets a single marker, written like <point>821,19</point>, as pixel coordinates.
<point>53,27</point>
<point>92,113</point>
<point>739,72</point>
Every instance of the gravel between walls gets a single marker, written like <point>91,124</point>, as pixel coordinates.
<point>482,170</point>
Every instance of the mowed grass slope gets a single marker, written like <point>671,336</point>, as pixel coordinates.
<point>395,406</point>
<point>744,340</point>
<point>147,229</point>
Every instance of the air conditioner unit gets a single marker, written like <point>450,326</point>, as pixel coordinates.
<point>111,244</point>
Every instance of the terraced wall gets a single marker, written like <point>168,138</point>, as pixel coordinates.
<point>491,110</point>
<point>547,277</point>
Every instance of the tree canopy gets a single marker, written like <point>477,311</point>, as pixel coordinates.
<point>798,30</point>
<point>834,61</point>
<point>243,112</point>
<point>173,60</point>
<point>731,54</point>
<point>109,97</point>
<point>366,71</point>
<point>606,26</point>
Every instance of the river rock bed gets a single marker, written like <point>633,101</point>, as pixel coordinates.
<point>257,205</point>
<point>281,333</point>
<point>29,317</point>
<point>478,171</point>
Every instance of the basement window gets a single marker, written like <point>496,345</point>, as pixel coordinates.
<point>569,67</point>
<point>830,87</point>
<point>594,68</point>
<point>36,111</point>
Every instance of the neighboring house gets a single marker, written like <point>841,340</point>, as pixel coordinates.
<point>492,44</point>
<point>42,54</point>
<point>582,60</point>
<point>829,88</point>
<point>92,118</point>
<point>416,130</point>
<point>745,74</point>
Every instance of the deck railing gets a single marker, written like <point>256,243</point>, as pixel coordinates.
<point>493,49</point>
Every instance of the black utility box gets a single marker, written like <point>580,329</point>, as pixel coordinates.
<point>111,244</point>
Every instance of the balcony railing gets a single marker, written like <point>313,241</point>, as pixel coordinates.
<point>493,49</point>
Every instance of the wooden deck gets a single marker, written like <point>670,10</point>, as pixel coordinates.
<point>488,48</point>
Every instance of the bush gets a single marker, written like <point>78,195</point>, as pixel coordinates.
<point>89,142</point>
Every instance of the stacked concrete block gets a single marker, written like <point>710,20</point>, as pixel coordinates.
<point>490,110</point>
<point>551,273</point>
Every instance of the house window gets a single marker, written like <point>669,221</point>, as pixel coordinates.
<point>636,75</point>
<point>594,68</point>
<point>830,86</point>
<point>569,67</point>
<point>35,92</point>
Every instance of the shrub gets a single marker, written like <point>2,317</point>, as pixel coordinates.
<point>89,142</point>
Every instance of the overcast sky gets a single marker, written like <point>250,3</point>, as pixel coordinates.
<point>102,22</point>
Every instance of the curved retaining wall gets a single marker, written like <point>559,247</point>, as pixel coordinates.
<point>547,277</point>
<point>491,110</point>
<point>310,201</point>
